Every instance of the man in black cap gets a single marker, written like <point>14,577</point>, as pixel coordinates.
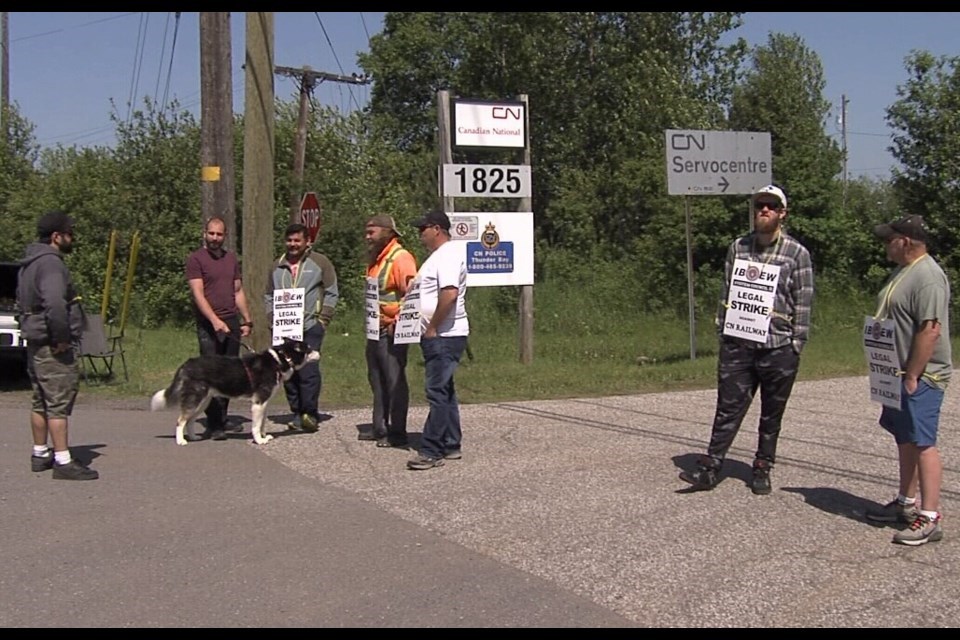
<point>916,298</point>
<point>51,320</point>
<point>442,282</point>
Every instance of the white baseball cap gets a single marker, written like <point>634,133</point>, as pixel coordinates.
<point>773,191</point>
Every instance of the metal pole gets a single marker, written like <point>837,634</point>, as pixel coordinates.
<point>690,300</point>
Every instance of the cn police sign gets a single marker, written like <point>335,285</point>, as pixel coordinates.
<point>310,215</point>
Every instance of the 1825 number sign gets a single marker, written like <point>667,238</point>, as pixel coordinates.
<point>486,180</point>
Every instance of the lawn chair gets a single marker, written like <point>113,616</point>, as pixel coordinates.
<point>96,346</point>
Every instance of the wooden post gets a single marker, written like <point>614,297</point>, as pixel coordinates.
<point>308,79</point>
<point>446,149</point>
<point>300,149</point>
<point>4,71</point>
<point>258,154</point>
<point>216,123</point>
<point>526,291</point>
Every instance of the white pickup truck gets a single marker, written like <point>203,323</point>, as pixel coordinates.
<point>11,344</point>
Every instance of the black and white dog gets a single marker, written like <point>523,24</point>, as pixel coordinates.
<point>257,376</point>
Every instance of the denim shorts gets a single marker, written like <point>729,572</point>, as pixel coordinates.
<point>918,418</point>
<point>55,379</point>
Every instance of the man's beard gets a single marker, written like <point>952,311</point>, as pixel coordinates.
<point>374,249</point>
<point>65,247</point>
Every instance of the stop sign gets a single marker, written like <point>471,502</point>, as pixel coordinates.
<point>310,215</point>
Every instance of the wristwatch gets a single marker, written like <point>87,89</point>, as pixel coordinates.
<point>246,324</point>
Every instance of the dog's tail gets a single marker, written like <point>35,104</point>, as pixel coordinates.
<point>167,397</point>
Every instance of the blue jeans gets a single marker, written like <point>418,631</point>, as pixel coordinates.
<point>441,431</point>
<point>303,387</point>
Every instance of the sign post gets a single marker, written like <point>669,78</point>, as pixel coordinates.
<point>310,215</point>
<point>714,163</point>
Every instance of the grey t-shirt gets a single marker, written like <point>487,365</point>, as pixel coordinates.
<point>920,292</point>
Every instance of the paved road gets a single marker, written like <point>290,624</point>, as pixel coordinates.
<point>561,514</point>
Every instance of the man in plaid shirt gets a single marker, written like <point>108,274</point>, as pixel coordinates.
<point>763,322</point>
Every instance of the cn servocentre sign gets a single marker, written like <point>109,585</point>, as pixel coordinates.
<point>713,163</point>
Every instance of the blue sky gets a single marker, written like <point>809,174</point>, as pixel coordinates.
<point>65,67</point>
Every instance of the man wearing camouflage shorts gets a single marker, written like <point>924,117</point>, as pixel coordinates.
<point>52,322</point>
<point>763,321</point>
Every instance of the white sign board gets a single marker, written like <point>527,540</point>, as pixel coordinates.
<point>498,246</point>
<point>487,181</point>
<point>288,314</point>
<point>716,163</point>
<point>489,124</point>
<point>884,363</point>
<point>407,329</point>
<point>752,292</point>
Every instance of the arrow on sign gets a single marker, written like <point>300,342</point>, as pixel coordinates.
<point>724,183</point>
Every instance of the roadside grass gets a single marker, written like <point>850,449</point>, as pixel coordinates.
<point>582,348</point>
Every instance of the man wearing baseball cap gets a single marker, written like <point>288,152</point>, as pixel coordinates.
<point>390,269</point>
<point>442,282</point>
<point>763,322</point>
<point>916,297</point>
<point>52,322</point>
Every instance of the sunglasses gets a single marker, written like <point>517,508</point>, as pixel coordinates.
<point>773,206</point>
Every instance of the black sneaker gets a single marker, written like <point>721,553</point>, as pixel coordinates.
<point>73,470</point>
<point>309,423</point>
<point>41,463</point>
<point>397,442</point>
<point>422,463</point>
<point>233,426</point>
<point>218,434</point>
<point>703,478</point>
<point>760,482</point>
<point>453,454</point>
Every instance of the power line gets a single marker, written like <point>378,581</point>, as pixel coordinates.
<point>163,51</point>
<point>339,66</point>
<point>364,23</point>
<point>173,47</point>
<point>137,51</point>
<point>76,26</point>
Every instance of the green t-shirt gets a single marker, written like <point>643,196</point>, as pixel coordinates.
<point>920,292</point>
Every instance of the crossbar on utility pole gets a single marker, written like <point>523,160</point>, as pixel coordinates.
<point>307,79</point>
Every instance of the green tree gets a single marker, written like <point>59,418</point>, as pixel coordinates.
<point>926,142</point>
<point>18,154</point>
<point>782,92</point>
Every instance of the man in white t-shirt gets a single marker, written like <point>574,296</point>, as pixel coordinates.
<point>443,337</point>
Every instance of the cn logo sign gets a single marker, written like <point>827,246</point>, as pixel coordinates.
<point>310,215</point>
<point>506,113</point>
<point>688,141</point>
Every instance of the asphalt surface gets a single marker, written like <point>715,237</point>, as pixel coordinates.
<point>561,513</point>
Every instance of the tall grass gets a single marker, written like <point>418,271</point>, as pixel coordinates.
<point>587,342</point>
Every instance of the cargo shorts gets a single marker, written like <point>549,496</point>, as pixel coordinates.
<point>55,379</point>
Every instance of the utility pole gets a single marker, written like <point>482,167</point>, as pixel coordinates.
<point>307,78</point>
<point>4,71</point>
<point>258,152</point>
<point>525,304</point>
<point>843,137</point>
<point>217,196</point>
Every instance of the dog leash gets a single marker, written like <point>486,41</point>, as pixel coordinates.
<point>229,336</point>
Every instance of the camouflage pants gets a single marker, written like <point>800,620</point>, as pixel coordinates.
<point>740,371</point>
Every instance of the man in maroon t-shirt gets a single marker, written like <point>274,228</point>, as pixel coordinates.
<point>219,302</point>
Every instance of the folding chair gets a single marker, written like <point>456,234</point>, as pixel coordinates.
<point>96,346</point>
